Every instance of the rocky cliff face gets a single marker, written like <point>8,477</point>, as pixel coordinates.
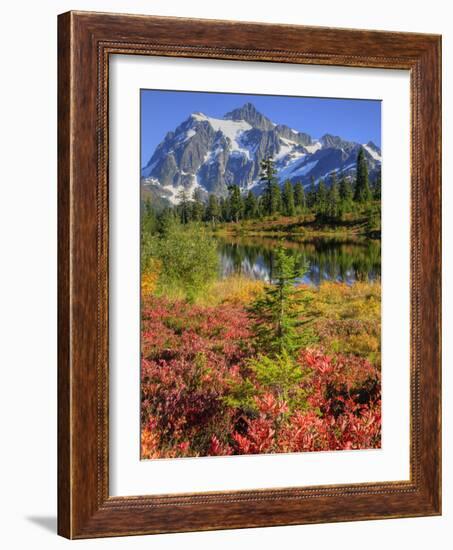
<point>210,154</point>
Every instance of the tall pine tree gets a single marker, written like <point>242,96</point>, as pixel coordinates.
<point>236,203</point>
<point>224,209</point>
<point>184,208</point>
<point>197,206</point>
<point>213,209</point>
<point>333,198</point>
<point>311,198</point>
<point>346,196</point>
<point>149,222</point>
<point>251,206</point>
<point>377,186</point>
<point>288,199</point>
<point>362,186</point>
<point>299,196</point>
<point>272,194</point>
<point>321,198</point>
<point>346,193</point>
<point>276,205</point>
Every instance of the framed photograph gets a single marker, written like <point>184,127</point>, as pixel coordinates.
<point>249,275</point>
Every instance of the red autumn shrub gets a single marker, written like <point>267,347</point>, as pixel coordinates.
<point>203,396</point>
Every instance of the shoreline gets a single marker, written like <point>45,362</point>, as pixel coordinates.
<point>287,227</point>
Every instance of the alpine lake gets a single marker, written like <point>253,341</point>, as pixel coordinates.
<point>318,259</point>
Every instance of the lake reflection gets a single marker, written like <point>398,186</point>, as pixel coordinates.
<point>327,259</point>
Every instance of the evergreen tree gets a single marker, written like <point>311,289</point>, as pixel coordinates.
<point>166,219</point>
<point>224,209</point>
<point>275,198</point>
<point>299,195</point>
<point>149,222</point>
<point>346,196</point>
<point>311,198</point>
<point>261,207</point>
<point>272,194</point>
<point>377,186</point>
<point>236,203</point>
<point>346,193</point>
<point>362,187</point>
<point>277,312</point>
<point>288,199</point>
<point>251,206</point>
<point>333,198</point>
<point>321,198</point>
<point>197,206</point>
<point>213,209</point>
<point>184,206</point>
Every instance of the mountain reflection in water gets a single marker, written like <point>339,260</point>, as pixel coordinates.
<point>327,259</point>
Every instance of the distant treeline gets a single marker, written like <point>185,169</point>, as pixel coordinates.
<point>328,200</point>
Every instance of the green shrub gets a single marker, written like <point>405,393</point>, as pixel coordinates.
<point>282,376</point>
<point>189,260</point>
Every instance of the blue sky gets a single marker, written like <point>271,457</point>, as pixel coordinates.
<point>352,119</point>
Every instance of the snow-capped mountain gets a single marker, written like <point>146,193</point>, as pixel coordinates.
<point>210,154</point>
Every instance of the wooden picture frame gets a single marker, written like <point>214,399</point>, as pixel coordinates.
<point>85,42</point>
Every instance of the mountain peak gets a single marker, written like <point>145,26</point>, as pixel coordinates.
<point>329,140</point>
<point>247,109</point>
<point>198,115</point>
<point>373,146</point>
<point>373,150</point>
<point>249,113</point>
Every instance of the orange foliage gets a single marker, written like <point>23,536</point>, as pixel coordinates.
<point>150,278</point>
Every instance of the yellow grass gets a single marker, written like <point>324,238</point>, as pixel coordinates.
<point>361,300</point>
<point>232,290</point>
<point>348,317</point>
